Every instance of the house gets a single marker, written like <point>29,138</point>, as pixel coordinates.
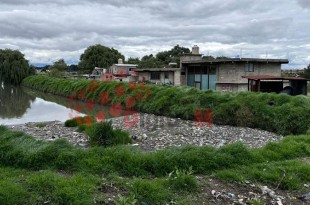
<point>162,76</point>
<point>97,73</point>
<point>117,72</point>
<point>224,74</point>
<point>124,72</point>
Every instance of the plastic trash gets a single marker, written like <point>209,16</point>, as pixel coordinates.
<point>231,196</point>
<point>305,197</point>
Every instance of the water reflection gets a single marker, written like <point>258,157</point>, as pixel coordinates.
<point>14,102</point>
<point>75,106</point>
<point>20,105</point>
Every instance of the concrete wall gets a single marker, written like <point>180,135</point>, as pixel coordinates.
<point>177,77</point>
<point>229,75</point>
<point>190,57</point>
<point>146,76</point>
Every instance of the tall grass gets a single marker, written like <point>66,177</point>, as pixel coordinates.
<point>281,113</point>
<point>23,151</point>
<point>37,172</point>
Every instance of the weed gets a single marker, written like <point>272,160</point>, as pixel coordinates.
<point>282,114</point>
<point>40,125</point>
<point>103,134</point>
<point>183,180</point>
<point>150,192</point>
<point>123,200</point>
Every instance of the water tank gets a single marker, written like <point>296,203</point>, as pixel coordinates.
<point>120,61</point>
<point>195,49</point>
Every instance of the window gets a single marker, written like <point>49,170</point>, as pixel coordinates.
<point>166,75</point>
<point>155,75</point>
<point>249,67</point>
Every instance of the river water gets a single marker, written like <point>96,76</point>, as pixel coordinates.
<point>20,105</point>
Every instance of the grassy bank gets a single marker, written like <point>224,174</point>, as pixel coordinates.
<point>34,172</point>
<point>281,114</point>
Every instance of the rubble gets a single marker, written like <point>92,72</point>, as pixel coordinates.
<point>153,132</point>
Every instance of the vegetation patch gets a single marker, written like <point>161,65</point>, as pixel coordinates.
<point>37,172</point>
<point>277,113</point>
<point>103,134</point>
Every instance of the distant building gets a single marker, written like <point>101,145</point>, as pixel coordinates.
<point>124,72</point>
<point>119,71</point>
<point>224,74</point>
<point>162,76</point>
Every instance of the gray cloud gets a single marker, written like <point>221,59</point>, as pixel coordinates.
<point>46,30</point>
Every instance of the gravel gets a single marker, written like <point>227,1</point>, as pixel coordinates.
<point>151,132</point>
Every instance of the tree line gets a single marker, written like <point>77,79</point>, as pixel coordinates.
<point>103,57</point>
<point>13,66</point>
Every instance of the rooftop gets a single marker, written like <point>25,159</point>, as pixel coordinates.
<point>156,69</point>
<point>270,77</point>
<point>129,65</point>
<point>232,60</point>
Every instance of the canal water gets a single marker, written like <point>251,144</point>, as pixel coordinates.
<point>20,105</point>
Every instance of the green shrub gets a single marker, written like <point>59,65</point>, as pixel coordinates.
<point>40,125</point>
<point>103,134</point>
<point>121,137</point>
<point>278,113</point>
<point>183,180</point>
<point>81,128</point>
<point>71,123</point>
<point>74,122</point>
<point>151,192</point>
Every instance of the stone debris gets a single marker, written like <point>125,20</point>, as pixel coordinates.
<point>151,132</point>
<point>157,132</point>
<point>262,193</point>
<point>305,197</point>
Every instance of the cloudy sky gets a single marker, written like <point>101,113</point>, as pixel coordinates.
<point>47,30</point>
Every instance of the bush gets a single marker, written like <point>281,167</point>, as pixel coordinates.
<point>150,192</point>
<point>103,134</point>
<point>71,123</point>
<point>183,180</point>
<point>278,113</point>
<point>77,121</point>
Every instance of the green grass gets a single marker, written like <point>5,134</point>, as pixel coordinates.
<point>278,113</point>
<point>19,186</point>
<point>103,134</point>
<point>34,172</point>
<point>40,125</point>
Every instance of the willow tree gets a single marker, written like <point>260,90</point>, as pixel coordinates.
<point>9,96</point>
<point>13,66</point>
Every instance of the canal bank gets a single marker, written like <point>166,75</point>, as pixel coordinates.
<point>153,132</point>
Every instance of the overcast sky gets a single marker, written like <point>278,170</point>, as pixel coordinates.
<point>47,30</point>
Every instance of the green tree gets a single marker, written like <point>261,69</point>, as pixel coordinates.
<point>209,58</point>
<point>98,56</point>
<point>133,60</point>
<point>173,55</point>
<point>149,61</point>
<point>306,73</point>
<point>13,66</point>
<point>59,65</point>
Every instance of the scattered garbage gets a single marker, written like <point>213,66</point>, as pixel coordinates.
<point>231,196</point>
<point>305,197</point>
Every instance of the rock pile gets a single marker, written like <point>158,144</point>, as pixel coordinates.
<point>151,132</point>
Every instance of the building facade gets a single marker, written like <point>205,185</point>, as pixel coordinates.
<point>224,74</point>
<point>162,76</point>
